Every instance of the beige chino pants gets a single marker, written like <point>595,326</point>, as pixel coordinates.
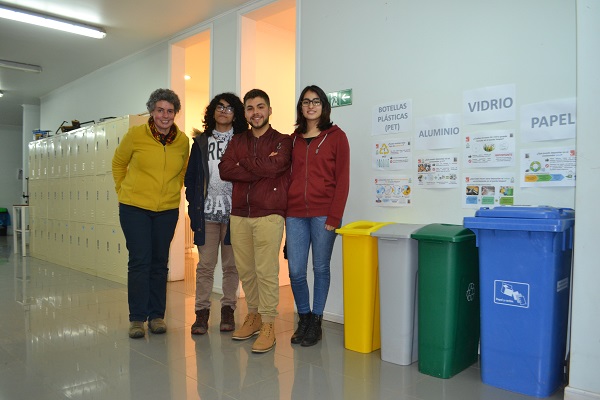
<point>256,243</point>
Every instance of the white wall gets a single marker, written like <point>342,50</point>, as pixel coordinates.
<point>430,52</point>
<point>585,325</point>
<point>119,89</point>
<point>10,163</point>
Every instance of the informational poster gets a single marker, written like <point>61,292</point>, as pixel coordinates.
<point>489,149</point>
<point>393,192</point>
<point>393,117</point>
<point>548,167</point>
<point>438,171</point>
<point>391,155</point>
<point>493,189</point>
<point>489,104</point>
<point>438,132</point>
<point>550,120</point>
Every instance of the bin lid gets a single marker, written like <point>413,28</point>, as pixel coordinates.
<point>3,210</point>
<point>530,218</point>
<point>361,228</point>
<point>444,233</point>
<point>397,231</point>
<point>545,212</point>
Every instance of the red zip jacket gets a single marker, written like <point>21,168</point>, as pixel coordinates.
<point>320,176</point>
<point>260,181</point>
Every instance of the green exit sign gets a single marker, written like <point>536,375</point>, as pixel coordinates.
<point>340,98</point>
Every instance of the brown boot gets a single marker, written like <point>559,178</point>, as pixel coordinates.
<point>201,325</point>
<point>266,338</point>
<point>251,327</point>
<point>227,319</point>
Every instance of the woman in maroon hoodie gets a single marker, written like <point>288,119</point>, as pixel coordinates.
<point>319,182</point>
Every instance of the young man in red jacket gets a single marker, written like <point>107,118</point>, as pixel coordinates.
<point>257,163</point>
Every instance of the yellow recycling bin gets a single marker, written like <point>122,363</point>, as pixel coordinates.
<point>361,286</point>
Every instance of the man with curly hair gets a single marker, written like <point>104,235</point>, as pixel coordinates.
<point>209,207</point>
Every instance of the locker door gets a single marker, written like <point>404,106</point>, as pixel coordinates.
<point>43,170</point>
<point>111,143</point>
<point>89,162</point>
<point>52,240</point>
<point>58,162</point>
<point>62,256</point>
<point>112,202</point>
<point>73,155</point>
<point>91,193</point>
<point>121,255</point>
<point>89,249</point>
<point>51,157</point>
<point>101,250</point>
<point>83,209</point>
<point>117,255</point>
<point>42,210</point>
<point>74,245</point>
<point>42,246</point>
<point>100,147</point>
<point>65,152</point>
<point>53,197</point>
<point>63,211</point>
<point>32,161</point>
<point>100,214</point>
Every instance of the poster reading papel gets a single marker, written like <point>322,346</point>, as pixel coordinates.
<point>548,167</point>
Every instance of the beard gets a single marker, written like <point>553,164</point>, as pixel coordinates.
<point>259,126</point>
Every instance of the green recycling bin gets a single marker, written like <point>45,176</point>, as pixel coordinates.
<point>448,299</point>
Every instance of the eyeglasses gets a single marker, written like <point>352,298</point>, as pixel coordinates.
<point>225,109</point>
<point>314,102</point>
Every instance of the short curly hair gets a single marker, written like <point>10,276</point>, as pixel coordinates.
<point>163,94</point>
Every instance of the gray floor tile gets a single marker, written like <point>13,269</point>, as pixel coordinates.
<point>64,336</point>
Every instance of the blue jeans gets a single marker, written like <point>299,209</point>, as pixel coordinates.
<point>302,234</point>
<point>148,235</point>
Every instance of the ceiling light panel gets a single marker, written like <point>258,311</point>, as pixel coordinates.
<point>47,21</point>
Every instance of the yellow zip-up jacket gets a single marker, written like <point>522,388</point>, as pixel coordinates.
<point>147,174</point>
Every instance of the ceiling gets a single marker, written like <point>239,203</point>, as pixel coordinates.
<point>130,25</point>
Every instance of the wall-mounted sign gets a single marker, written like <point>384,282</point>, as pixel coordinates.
<point>340,98</point>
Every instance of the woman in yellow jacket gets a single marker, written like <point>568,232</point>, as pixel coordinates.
<point>148,168</point>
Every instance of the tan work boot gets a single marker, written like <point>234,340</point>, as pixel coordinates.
<point>266,338</point>
<point>157,326</point>
<point>251,327</point>
<point>136,329</point>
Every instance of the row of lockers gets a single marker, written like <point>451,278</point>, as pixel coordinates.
<point>96,249</point>
<point>80,199</point>
<point>82,152</point>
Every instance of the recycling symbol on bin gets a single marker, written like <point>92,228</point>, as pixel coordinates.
<point>471,292</point>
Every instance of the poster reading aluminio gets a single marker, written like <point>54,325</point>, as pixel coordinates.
<point>439,171</point>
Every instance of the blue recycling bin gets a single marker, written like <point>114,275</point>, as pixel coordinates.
<point>525,278</point>
<point>4,221</point>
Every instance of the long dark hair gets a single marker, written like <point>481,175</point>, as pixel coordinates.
<point>239,120</point>
<point>324,121</point>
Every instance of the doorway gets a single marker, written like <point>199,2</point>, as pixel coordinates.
<point>268,62</point>
<point>190,79</point>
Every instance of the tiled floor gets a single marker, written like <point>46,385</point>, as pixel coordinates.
<point>63,335</point>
